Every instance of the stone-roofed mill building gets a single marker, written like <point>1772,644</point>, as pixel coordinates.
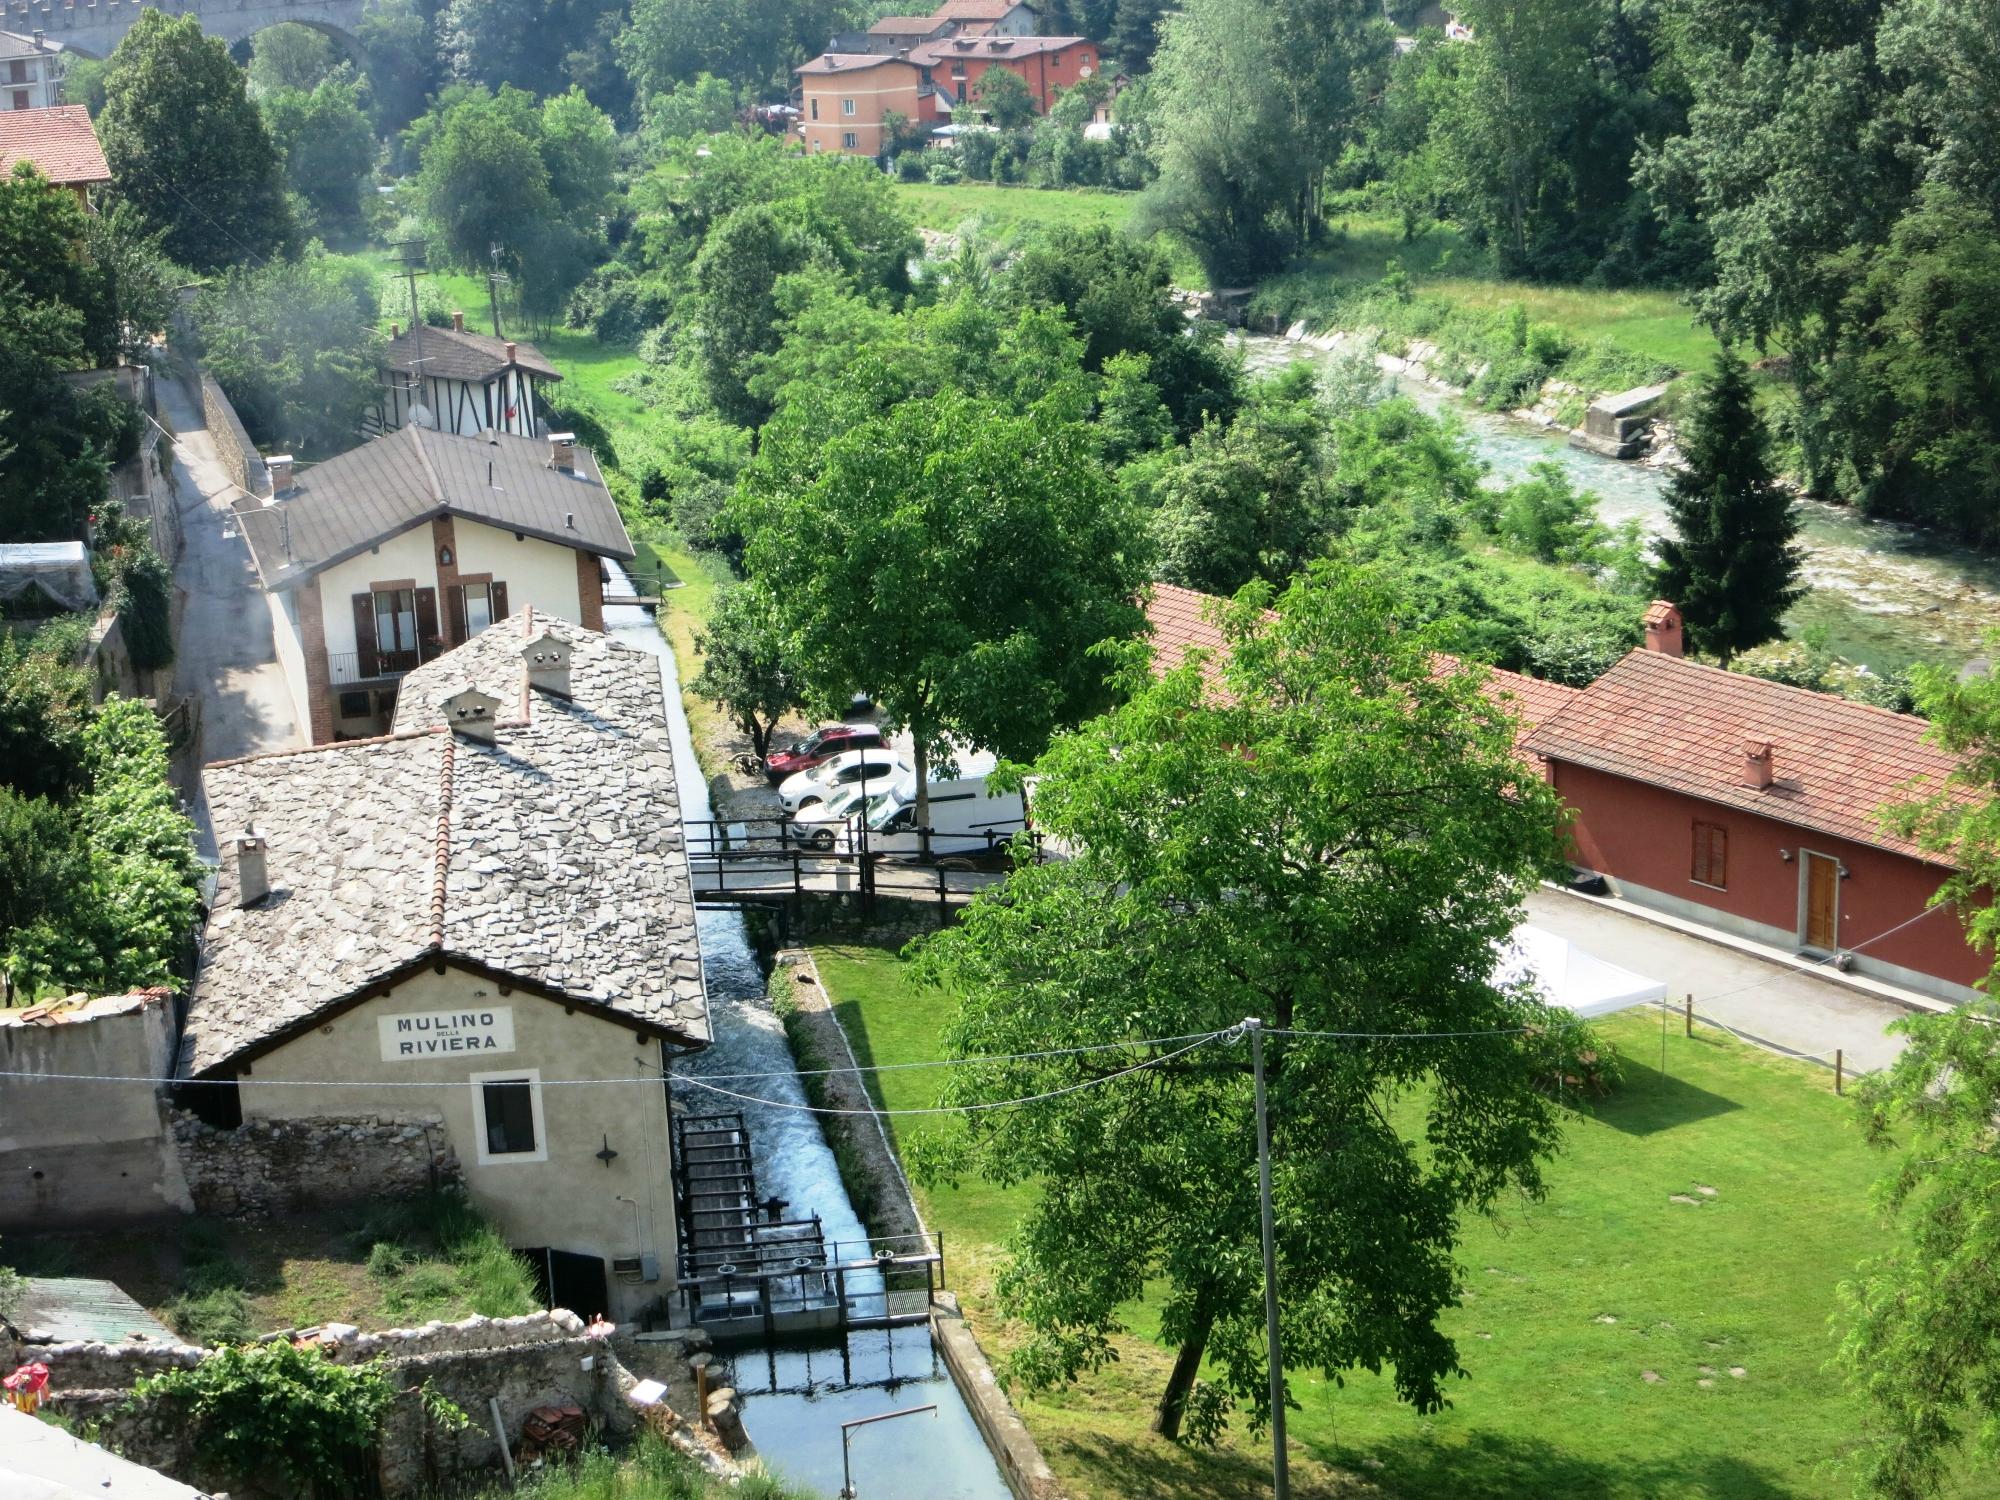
<point>379,560</point>
<point>491,903</point>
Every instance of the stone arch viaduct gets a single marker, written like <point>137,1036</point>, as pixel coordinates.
<point>93,27</point>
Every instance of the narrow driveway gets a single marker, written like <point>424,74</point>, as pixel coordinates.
<point>1769,1001</point>
<point>226,658</point>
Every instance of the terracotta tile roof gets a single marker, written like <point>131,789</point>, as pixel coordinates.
<point>850,62</point>
<point>59,142</point>
<point>555,855</point>
<point>1677,724</point>
<point>990,48</point>
<point>1180,620</point>
<point>905,26</point>
<point>976,10</point>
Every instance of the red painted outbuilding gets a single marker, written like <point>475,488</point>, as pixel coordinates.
<point>1756,808</point>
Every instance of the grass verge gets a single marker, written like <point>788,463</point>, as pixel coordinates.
<point>651,1469</point>
<point>1619,1343</point>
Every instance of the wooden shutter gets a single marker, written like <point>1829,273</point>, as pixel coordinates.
<point>1710,865</point>
<point>428,641</point>
<point>497,592</point>
<point>366,663</point>
<point>454,608</point>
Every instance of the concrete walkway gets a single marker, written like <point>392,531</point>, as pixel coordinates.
<point>226,657</point>
<point>1801,1011</point>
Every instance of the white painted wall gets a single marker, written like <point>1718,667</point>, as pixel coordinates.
<point>535,572</point>
<point>568,1201</point>
<point>405,556</point>
<point>292,654</point>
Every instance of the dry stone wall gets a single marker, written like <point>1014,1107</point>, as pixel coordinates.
<point>279,1166</point>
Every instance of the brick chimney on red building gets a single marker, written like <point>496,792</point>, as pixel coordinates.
<point>1663,628</point>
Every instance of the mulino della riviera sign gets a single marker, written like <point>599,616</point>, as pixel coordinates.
<point>447,1033</point>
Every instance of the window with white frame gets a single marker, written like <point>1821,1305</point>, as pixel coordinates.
<point>507,1117</point>
<point>847,106</point>
<point>478,608</point>
<point>850,140</point>
<point>395,620</point>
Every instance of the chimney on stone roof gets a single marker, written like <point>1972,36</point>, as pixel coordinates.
<point>548,664</point>
<point>253,875</point>
<point>1758,756</point>
<point>280,467</point>
<point>1663,628</point>
<point>470,715</point>
<point>457,320</point>
<point>562,451</point>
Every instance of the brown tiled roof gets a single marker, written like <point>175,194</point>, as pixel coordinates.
<point>991,48</point>
<point>1677,724</point>
<point>453,355</point>
<point>905,26</point>
<point>59,142</point>
<point>1181,620</point>
<point>554,856</point>
<point>405,478</point>
<point>850,62</point>
<point>975,10</point>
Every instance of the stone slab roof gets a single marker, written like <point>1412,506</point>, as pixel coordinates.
<point>59,142</point>
<point>1181,620</point>
<point>1677,724</point>
<point>554,857</point>
<point>340,508</point>
<point>462,355</point>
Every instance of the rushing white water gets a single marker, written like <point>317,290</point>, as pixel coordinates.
<point>1887,594</point>
<point>795,1398</point>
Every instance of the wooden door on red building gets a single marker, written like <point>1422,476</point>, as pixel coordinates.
<point>1821,876</point>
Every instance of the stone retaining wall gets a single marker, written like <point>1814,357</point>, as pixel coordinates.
<point>238,455</point>
<point>279,1166</point>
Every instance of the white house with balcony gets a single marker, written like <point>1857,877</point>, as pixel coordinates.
<point>399,550</point>
<point>31,71</point>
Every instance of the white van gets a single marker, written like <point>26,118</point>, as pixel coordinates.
<point>967,818</point>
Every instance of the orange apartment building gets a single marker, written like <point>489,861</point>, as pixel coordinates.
<point>844,96</point>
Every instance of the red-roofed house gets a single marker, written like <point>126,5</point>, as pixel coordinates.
<point>1754,808</point>
<point>1182,620</point>
<point>59,143</point>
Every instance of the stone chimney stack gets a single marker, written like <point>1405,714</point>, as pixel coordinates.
<point>1663,628</point>
<point>470,715</point>
<point>562,451</point>
<point>457,320</point>
<point>548,664</point>
<point>510,351</point>
<point>1759,770</point>
<point>253,875</point>
<point>280,467</point>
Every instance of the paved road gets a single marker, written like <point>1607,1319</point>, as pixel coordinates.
<point>1767,1000</point>
<point>226,657</point>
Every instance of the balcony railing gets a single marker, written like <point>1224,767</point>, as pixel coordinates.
<point>344,667</point>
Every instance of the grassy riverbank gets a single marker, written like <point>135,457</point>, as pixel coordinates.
<point>1620,1343</point>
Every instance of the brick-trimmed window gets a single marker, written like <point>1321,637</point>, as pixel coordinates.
<point>1710,865</point>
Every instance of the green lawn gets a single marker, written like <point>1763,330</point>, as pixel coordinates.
<point>1558,1402</point>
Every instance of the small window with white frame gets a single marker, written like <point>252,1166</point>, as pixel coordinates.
<point>847,106</point>
<point>850,140</point>
<point>507,1117</point>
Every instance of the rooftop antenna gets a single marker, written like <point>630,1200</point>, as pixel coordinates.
<point>411,254</point>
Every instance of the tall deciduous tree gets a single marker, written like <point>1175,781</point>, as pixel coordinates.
<point>291,56</point>
<point>1732,564</point>
<point>958,559</point>
<point>187,147</point>
<point>328,146</point>
<point>1321,829</point>
<point>483,181</point>
<point>746,670</point>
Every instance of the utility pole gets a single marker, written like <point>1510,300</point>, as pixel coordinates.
<point>1281,1482</point>
<point>495,279</point>
<point>411,254</point>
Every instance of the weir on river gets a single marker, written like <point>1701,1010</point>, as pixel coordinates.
<point>1888,595</point>
<point>795,1397</point>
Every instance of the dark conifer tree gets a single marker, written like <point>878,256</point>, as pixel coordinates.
<point>1732,564</point>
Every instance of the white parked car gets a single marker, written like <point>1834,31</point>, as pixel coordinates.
<point>967,818</point>
<point>878,768</point>
<point>818,826</point>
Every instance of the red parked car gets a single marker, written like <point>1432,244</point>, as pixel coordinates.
<point>821,744</point>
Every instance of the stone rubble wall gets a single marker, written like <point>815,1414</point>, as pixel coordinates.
<point>238,455</point>
<point>281,1166</point>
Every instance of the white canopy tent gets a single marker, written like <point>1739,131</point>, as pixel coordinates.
<point>1571,978</point>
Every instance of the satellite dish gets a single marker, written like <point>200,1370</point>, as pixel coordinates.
<point>1085,72</point>
<point>421,415</point>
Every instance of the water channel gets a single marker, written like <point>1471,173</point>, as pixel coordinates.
<point>1888,595</point>
<point>795,1397</point>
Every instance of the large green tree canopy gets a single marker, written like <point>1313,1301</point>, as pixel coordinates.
<point>1320,828</point>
